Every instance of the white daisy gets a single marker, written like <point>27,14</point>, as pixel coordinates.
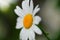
<point>27,20</point>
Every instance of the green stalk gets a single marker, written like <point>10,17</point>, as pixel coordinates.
<point>45,34</point>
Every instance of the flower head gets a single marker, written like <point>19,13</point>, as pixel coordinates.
<point>27,20</point>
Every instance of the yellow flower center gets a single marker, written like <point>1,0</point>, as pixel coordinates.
<point>27,21</point>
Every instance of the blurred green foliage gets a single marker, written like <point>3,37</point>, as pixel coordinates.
<point>58,3</point>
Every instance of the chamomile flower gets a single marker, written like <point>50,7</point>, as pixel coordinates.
<point>27,20</point>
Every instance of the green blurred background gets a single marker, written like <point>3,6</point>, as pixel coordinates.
<point>50,14</point>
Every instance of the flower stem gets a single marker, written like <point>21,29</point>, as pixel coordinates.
<point>45,34</point>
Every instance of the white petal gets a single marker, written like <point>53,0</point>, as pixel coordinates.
<point>19,23</point>
<point>36,10</point>
<point>24,34</point>
<point>31,35</point>
<point>20,10</point>
<point>31,6</point>
<point>25,6</point>
<point>37,19</point>
<point>18,13</point>
<point>36,29</point>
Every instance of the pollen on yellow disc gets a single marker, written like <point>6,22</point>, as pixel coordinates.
<point>27,21</point>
